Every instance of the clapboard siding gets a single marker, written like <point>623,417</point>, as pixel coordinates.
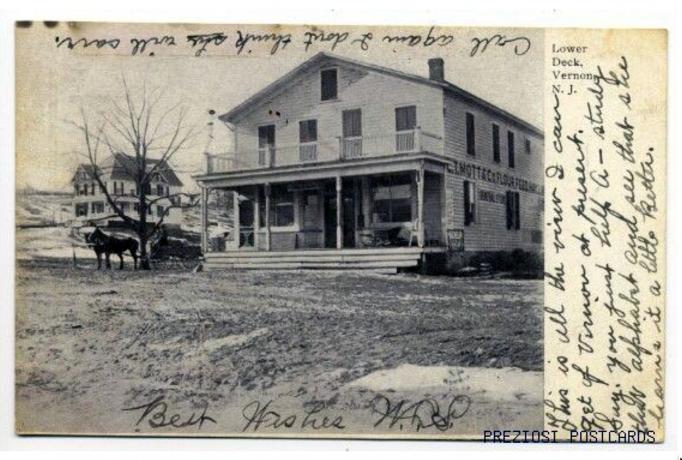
<point>377,95</point>
<point>489,231</point>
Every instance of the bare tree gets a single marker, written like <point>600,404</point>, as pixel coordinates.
<point>136,126</point>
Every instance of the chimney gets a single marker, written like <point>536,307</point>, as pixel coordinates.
<point>436,69</point>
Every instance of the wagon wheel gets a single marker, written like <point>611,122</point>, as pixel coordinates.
<point>188,263</point>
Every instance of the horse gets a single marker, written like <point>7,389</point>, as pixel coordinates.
<point>105,244</point>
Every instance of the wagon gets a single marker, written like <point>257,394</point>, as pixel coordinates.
<point>173,253</point>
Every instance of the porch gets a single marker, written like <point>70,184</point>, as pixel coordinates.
<point>382,214</point>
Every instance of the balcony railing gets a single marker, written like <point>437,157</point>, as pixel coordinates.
<point>326,150</point>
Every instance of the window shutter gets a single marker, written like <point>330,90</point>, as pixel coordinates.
<point>467,203</point>
<point>517,210</point>
<point>471,135</point>
<point>510,148</point>
<point>496,143</point>
<point>509,210</point>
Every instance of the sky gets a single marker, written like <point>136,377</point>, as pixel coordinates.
<point>55,83</point>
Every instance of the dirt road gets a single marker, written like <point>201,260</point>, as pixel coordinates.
<point>245,350</point>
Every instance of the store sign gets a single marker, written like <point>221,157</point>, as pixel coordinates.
<point>492,197</point>
<point>481,173</point>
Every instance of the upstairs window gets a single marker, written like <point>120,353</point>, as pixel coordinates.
<point>496,143</point>
<point>160,189</point>
<point>471,135</point>
<point>406,118</point>
<point>352,123</point>
<point>528,146</point>
<point>329,84</point>
<point>510,149</point>
<point>469,203</point>
<point>307,131</point>
<point>307,137</point>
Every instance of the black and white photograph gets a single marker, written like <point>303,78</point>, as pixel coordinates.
<point>329,232</point>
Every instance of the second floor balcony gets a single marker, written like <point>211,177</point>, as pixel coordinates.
<point>326,150</point>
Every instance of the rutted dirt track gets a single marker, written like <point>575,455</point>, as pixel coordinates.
<point>92,343</point>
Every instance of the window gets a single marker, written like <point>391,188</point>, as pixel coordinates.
<point>471,135</point>
<point>406,118</point>
<point>496,143</point>
<point>92,189</point>
<point>469,203</point>
<point>97,207</point>
<point>513,211</point>
<point>307,131</point>
<point>282,211</point>
<point>160,210</point>
<point>266,145</point>
<point>352,133</point>
<point>392,198</point>
<point>510,148</point>
<point>160,189</point>
<point>329,85</point>
<point>352,123</point>
<point>307,136</point>
<point>528,146</point>
<point>81,209</point>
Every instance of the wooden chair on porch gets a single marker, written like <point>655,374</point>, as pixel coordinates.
<point>413,229</point>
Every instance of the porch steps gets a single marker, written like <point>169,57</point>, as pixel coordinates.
<point>384,260</point>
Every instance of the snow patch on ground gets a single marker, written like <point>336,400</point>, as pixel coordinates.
<point>504,384</point>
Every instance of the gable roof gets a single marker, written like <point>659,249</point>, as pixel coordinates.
<point>323,58</point>
<point>86,168</point>
<point>124,164</point>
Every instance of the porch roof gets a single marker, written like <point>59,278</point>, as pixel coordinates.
<point>326,170</point>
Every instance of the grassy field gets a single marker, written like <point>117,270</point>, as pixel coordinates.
<point>90,344</point>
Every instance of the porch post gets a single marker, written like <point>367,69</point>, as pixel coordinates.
<point>256,216</point>
<point>356,208</point>
<point>204,219</point>
<point>420,206</point>
<point>235,220</point>
<point>366,203</point>
<point>339,214</point>
<point>267,217</point>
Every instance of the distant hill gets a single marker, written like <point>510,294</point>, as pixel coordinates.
<point>40,208</point>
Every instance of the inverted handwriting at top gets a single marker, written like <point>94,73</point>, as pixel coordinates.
<point>85,43</point>
<point>480,45</point>
<point>216,38</point>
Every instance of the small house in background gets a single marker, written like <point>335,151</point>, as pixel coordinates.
<point>345,164</point>
<point>90,202</point>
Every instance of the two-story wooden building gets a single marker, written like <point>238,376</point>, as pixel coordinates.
<point>90,203</point>
<point>340,163</point>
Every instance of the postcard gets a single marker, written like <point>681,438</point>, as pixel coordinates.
<point>326,231</point>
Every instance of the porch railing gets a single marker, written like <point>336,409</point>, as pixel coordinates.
<point>330,149</point>
<point>307,151</point>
